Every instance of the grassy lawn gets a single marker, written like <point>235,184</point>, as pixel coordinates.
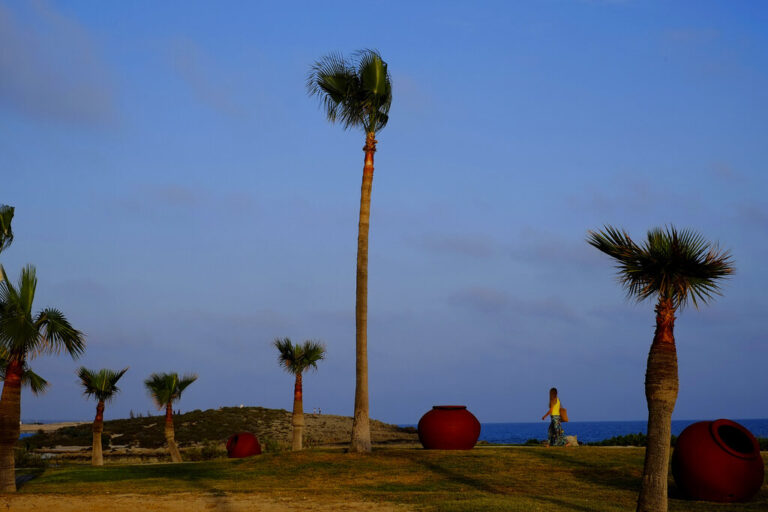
<point>487,478</point>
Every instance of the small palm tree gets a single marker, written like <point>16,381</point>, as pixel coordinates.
<point>23,336</point>
<point>165,389</point>
<point>357,93</point>
<point>675,267</point>
<point>296,359</point>
<point>102,385</point>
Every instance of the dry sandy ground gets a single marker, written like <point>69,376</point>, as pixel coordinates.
<point>182,503</point>
<point>47,427</point>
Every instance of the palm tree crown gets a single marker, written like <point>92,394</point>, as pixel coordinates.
<point>675,265</point>
<point>355,93</point>
<point>296,359</point>
<point>102,384</point>
<point>24,334</point>
<point>6,233</point>
<point>166,388</point>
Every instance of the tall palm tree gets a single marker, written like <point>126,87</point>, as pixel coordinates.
<point>357,93</point>
<point>165,389</point>
<point>23,336</point>
<point>675,267</point>
<point>296,359</point>
<point>6,233</point>
<point>102,385</point>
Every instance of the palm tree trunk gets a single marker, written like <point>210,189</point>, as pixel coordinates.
<point>170,435</point>
<point>97,459</point>
<point>298,414</point>
<point>361,427</point>
<point>661,384</point>
<point>10,412</point>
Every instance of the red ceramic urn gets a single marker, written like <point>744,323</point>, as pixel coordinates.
<point>449,427</point>
<point>718,461</point>
<point>242,444</point>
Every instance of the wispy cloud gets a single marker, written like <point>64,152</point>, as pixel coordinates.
<point>479,298</point>
<point>208,83</point>
<point>465,245</point>
<point>49,67</point>
<point>151,199</point>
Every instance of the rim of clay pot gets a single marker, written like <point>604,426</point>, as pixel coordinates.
<point>734,446</point>
<point>449,407</point>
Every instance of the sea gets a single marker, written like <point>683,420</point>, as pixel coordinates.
<point>585,431</point>
<point>590,431</point>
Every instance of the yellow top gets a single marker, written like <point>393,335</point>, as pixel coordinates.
<point>556,408</point>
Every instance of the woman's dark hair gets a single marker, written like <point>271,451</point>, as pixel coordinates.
<point>552,397</point>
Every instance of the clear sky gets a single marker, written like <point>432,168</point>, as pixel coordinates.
<point>185,202</point>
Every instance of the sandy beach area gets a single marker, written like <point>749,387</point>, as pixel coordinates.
<point>184,503</point>
<point>48,427</point>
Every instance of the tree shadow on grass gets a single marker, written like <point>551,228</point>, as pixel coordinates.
<point>478,484</point>
<point>595,473</point>
<point>452,476</point>
<point>23,478</point>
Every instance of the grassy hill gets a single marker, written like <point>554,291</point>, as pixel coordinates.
<point>216,425</point>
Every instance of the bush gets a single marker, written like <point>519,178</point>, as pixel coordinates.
<point>532,442</point>
<point>271,445</point>
<point>26,459</point>
<point>208,451</point>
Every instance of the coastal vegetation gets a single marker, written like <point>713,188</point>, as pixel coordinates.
<point>196,428</point>
<point>102,385</point>
<point>357,93</point>
<point>166,389</point>
<point>25,334</point>
<point>675,267</point>
<point>296,359</point>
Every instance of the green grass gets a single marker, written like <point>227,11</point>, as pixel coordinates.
<point>488,479</point>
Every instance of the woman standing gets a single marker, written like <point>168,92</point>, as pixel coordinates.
<point>556,434</point>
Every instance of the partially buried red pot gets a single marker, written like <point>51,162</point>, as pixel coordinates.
<point>718,461</point>
<point>242,444</point>
<point>449,427</point>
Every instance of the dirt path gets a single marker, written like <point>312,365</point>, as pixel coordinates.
<point>183,503</point>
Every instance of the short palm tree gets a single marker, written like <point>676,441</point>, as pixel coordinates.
<point>675,267</point>
<point>23,336</point>
<point>165,389</point>
<point>357,93</point>
<point>102,385</point>
<point>296,359</point>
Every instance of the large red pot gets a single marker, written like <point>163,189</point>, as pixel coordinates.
<point>718,461</point>
<point>449,427</point>
<point>242,444</point>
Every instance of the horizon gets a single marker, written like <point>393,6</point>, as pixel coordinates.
<point>185,202</point>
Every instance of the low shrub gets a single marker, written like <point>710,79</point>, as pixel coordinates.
<point>26,459</point>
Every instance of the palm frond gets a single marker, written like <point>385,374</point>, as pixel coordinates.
<point>353,93</point>
<point>166,388</point>
<point>671,264</point>
<point>6,232</point>
<point>58,334</point>
<point>101,384</point>
<point>295,358</point>
<point>30,379</point>
<point>34,382</point>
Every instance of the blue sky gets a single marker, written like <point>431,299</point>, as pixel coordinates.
<point>185,202</point>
